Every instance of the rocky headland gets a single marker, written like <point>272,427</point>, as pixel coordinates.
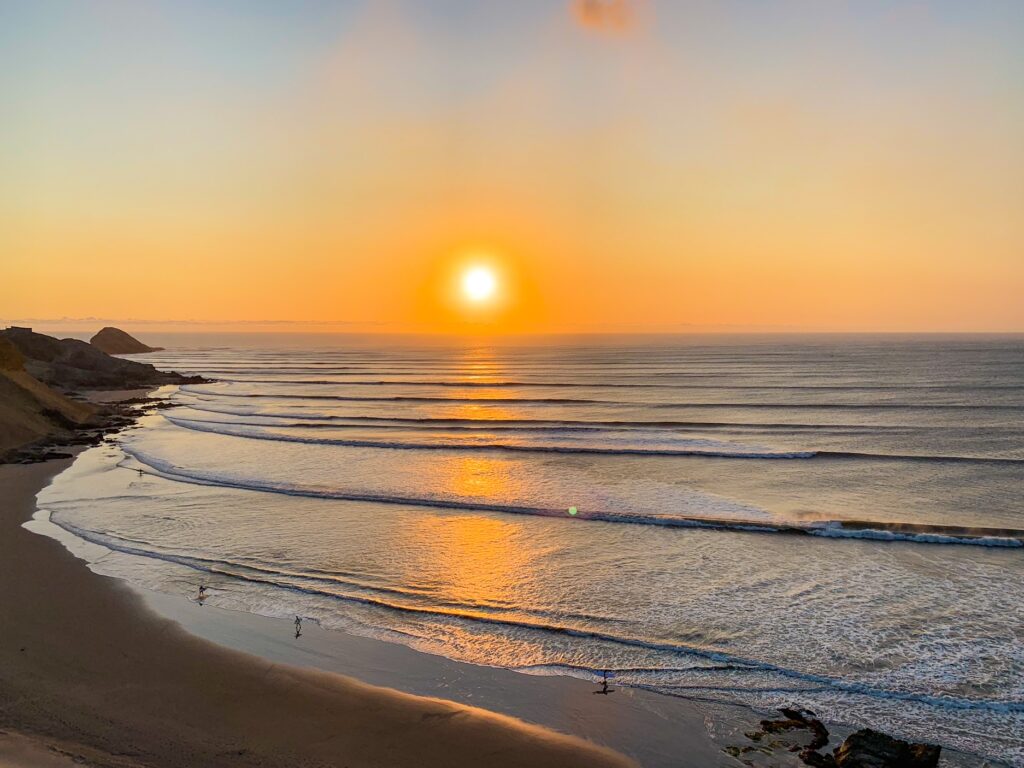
<point>71,364</point>
<point>44,386</point>
<point>114,341</point>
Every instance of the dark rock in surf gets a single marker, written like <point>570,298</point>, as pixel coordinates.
<point>870,749</point>
<point>799,720</point>
<point>801,732</point>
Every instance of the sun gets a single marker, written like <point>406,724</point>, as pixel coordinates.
<point>479,284</point>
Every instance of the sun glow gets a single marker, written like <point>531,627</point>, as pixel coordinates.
<point>479,284</point>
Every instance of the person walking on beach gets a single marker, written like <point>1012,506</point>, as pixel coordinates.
<point>298,626</point>
<point>605,690</point>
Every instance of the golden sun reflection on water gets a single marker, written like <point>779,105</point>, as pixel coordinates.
<point>482,411</point>
<point>470,560</point>
<point>475,565</point>
<point>480,365</point>
<point>486,478</point>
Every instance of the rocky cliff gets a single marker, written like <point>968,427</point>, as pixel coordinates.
<point>71,364</point>
<point>29,410</point>
<point>38,372</point>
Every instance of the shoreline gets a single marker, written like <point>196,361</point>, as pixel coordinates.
<point>651,728</point>
<point>87,670</point>
<point>648,727</point>
<point>553,714</point>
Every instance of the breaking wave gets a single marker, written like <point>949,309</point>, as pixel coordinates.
<point>921,533</point>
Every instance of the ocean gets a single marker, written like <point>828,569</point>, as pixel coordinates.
<point>832,522</point>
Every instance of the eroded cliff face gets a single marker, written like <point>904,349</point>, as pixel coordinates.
<point>30,411</point>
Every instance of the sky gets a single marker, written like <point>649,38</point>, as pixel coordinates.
<point>618,165</point>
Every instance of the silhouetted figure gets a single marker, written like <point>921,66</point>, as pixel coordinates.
<point>298,626</point>
<point>140,471</point>
<point>605,690</point>
<point>202,594</point>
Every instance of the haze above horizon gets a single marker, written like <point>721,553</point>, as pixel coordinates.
<point>544,166</point>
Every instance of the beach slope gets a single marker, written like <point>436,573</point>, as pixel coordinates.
<point>86,668</point>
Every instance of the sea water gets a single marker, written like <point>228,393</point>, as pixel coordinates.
<point>829,522</point>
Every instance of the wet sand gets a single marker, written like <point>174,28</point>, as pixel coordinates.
<point>87,669</point>
<point>657,731</point>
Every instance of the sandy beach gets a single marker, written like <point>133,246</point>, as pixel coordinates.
<point>89,672</point>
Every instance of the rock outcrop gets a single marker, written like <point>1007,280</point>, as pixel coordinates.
<point>114,341</point>
<point>70,364</point>
<point>870,749</point>
<point>29,410</point>
<point>38,372</point>
<point>803,736</point>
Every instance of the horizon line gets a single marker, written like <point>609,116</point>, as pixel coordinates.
<point>376,327</point>
<point>709,330</point>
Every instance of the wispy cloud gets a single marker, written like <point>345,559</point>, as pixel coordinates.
<point>607,16</point>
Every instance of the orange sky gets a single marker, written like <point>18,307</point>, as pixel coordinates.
<point>623,166</point>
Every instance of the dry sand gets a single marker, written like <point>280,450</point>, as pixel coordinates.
<point>88,671</point>
<point>17,751</point>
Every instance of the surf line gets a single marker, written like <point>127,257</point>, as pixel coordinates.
<point>919,533</point>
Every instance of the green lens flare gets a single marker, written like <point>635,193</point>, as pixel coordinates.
<point>572,510</point>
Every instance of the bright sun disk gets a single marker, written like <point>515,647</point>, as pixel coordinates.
<point>479,283</point>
